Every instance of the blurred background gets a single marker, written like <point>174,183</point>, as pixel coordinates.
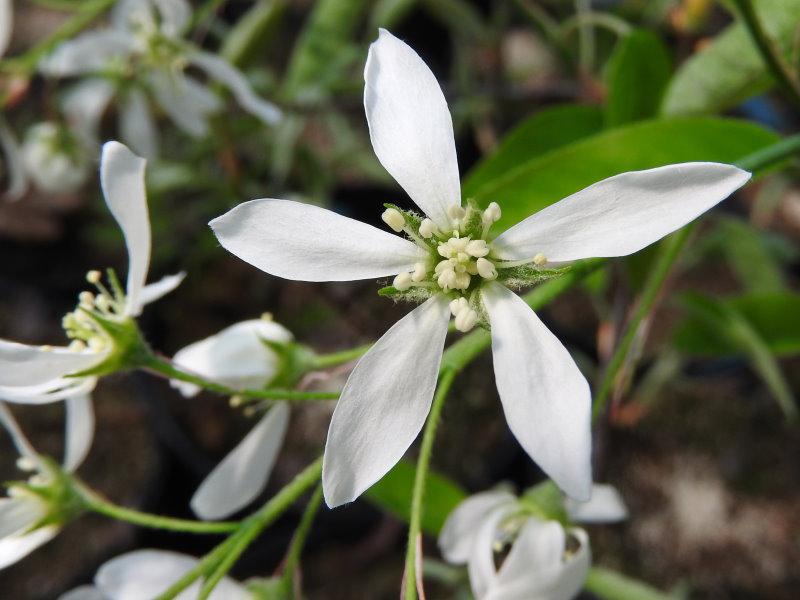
<point>701,437</point>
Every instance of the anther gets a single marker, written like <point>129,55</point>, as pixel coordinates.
<point>86,300</point>
<point>96,344</point>
<point>402,282</point>
<point>539,259</point>
<point>394,219</point>
<point>420,270</point>
<point>77,346</point>
<point>26,463</point>
<point>486,269</point>
<point>457,305</point>
<point>94,277</point>
<point>428,229</point>
<point>46,348</point>
<point>236,401</point>
<point>466,320</point>
<point>456,212</point>
<point>491,214</point>
<point>267,316</point>
<point>477,248</point>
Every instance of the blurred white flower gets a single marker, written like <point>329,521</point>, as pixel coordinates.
<point>54,159</point>
<point>143,54</point>
<point>544,560</point>
<point>6,24</point>
<point>40,374</point>
<point>240,357</point>
<point>144,574</point>
<point>28,518</point>
<point>451,259</point>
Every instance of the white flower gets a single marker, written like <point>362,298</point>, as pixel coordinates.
<point>238,356</point>
<point>39,374</point>
<point>387,397</point>
<point>540,564</point>
<point>25,522</point>
<point>144,574</point>
<point>6,24</point>
<point>54,159</point>
<point>144,54</point>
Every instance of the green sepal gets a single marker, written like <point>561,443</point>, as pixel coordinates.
<point>57,493</point>
<point>416,294</point>
<point>527,275</point>
<point>129,350</point>
<point>271,588</point>
<point>295,361</point>
<point>473,221</point>
<point>546,501</point>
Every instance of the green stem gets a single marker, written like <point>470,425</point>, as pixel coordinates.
<point>299,540</point>
<point>161,366</point>
<point>208,562</point>
<point>771,155</point>
<point>771,55</point>
<point>95,503</point>
<point>420,478</point>
<point>334,359</point>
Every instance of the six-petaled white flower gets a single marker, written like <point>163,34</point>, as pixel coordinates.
<point>40,374</point>
<point>544,559</point>
<point>452,259</point>
<point>143,53</point>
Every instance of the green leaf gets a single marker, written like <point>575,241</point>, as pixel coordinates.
<point>547,130</point>
<point>730,69</point>
<point>726,322</point>
<point>611,585</point>
<point>544,179</point>
<point>393,493</point>
<point>637,75</point>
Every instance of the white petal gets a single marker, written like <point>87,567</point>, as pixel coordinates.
<point>384,403</point>
<point>13,165</point>
<point>307,243</point>
<point>49,391</point>
<point>84,105</point>
<point>236,356</point>
<point>410,126</point>
<point>535,567</point>
<point>188,103</point>
<point>84,592</point>
<point>6,24</point>
<point>79,431</point>
<point>173,15</point>
<point>545,397</point>
<point>18,515</point>
<point>144,574</point>
<point>222,71</point>
<point>242,475</point>
<point>136,126</point>
<point>605,506</point>
<point>481,566</point>
<point>122,179</point>
<point>21,442</point>
<point>23,365</point>
<point>15,548</point>
<point>89,52</point>
<point>155,291</point>
<point>457,538</point>
<point>622,214</point>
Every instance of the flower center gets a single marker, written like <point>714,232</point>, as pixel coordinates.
<point>80,327</point>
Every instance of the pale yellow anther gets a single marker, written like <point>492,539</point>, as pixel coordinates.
<point>103,303</point>
<point>94,277</point>
<point>491,214</point>
<point>236,401</point>
<point>267,316</point>
<point>539,259</point>
<point>456,213</point>
<point>86,300</point>
<point>458,244</point>
<point>394,219</point>
<point>457,305</point>
<point>402,282</point>
<point>46,348</point>
<point>26,463</point>
<point>477,248</point>
<point>96,344</point>
<point>420,270</point>
<point>466,319</point>
<point>445,250</point>
<point>486,269</point>
<point>77,346</point>
<point>447,279</point>
<point>461,281</point>
<point>428,229</point>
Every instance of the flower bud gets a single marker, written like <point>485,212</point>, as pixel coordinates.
<point>486,269</point>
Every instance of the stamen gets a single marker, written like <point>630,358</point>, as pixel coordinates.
<point>457,305</point>
<point>26,463</point>
<point>402,282</point>
<point>420,270</point>
<point>77,346</point>
<point>267,316</point>
<point>93,277</point>
<point>428,229</point>
<point>466,319</point>
<point>492,214</point>
<point>539,259</point>
<point>394,219</point>
<point>86,300</point>
<point>486,269</point>
<point>477,248</point>
<point>456,213</point>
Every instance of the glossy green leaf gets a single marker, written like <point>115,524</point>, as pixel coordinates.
<point>637,75</point>
<point>729,70</point>
<point>393,493</point>
<point>546,130</point>
<point>544,179</point>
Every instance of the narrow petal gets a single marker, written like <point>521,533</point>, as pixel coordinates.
<point>605,506</point>
<point>384,403</point>
<point>222,71</point>
<point>545,397</point>
<point>122,179</point>
<point>536,566</point>
<point>18,515</point>
<point>87,53</point>
<point>481,566</point>
<point>173,15</point>
<point>457,538</point>
<point>6,24</point>
<point>307,243</point>
<point>84,105</point>
<point>49,391</point>
<point>243,474</point>
<point>155,291</point>
<point>136,126</point>
<point>145,574</point>
<point>188,103</point>
<point>410,126</point>
<point>236,356</point>
<point>15,548</point>
<point>84,592</point>
<point>622,214</point>
<point>21,442</point>
<point>79,431</point>
<point>23,365</point>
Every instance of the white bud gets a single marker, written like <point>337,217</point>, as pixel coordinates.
<point>442,265</point>
<point>458,244</point>
<point>445,250</point>
<point>394,219</point>
<point>86,300</point>
<point>402,282</point>
<point>466,320</point>
<point>103,303</point>
<point>539,259</point>
<point>428,229</point>
<point>477,248</point>
<point>491,214</point>
<point>94,277</point>
<point>462,281</point>
<point>420,270</point>
<point>77,346</point>
<point>457,305</point>
<point>456,212</point>
<point>446,279</point>
<point>486,269</point>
